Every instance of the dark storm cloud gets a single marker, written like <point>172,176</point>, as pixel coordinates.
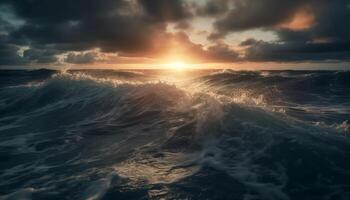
<point>84,58</point>
<point>9,56</point>
<point>81,24</point>
<point>296,51</point>
<point>40,56</point>
<point>248,42</point>
<point>166,10</point>
<point>213,7</point>
<point>222,53</point>
<point>4,26</point>
<point>325,37</point>
<point>250,14</point>
<point>8,52</point>
<point>137,28</point>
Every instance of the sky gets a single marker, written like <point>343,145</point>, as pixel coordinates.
<point>246,34</point>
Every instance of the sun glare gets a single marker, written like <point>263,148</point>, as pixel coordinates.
<point>178,65</point>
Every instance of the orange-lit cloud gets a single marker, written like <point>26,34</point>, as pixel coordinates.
<point>303,19</point>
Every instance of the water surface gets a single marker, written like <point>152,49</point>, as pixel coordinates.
<point>152,134</point>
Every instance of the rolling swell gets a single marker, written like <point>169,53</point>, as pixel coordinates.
<point>227,135</point>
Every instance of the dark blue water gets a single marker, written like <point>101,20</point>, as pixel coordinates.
<point>147,134</point>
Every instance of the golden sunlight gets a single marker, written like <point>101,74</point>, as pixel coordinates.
<point>178,65</point>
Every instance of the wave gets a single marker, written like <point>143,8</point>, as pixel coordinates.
<point>341,78</point>
<point>127,135</point>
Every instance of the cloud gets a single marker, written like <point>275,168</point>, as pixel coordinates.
<point>307,30</point>
<point>166,10</point>
<point>83,58</point>
<point>213,8</point>
<point>181,45</point>
<point>40,56</point>
<point>248,42</point>
<point>81,25</point>
<point>9,56</point>
<point>222,53</point>
<point>296,51</point>
<point>252,14</point>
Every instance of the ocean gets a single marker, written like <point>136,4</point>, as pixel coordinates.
<point>167,134</point>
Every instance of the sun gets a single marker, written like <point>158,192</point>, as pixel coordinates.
<point>178,65</point>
